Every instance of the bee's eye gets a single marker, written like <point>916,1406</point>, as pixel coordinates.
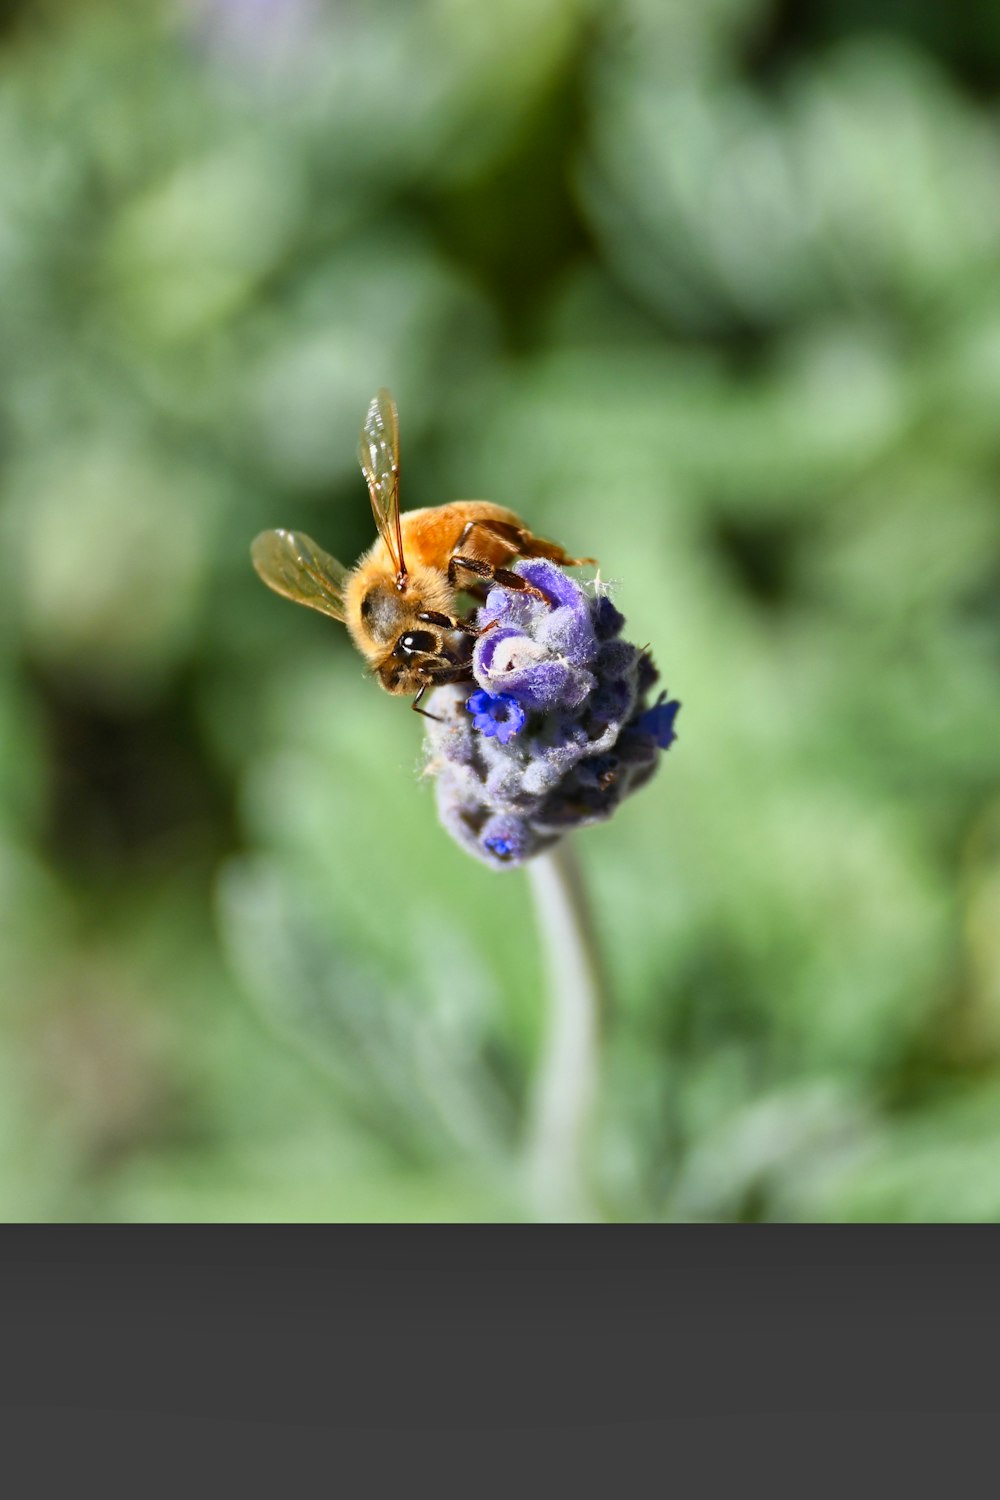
<point>415,642</point>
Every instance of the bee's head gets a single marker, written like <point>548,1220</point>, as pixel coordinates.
<point>416,660</point>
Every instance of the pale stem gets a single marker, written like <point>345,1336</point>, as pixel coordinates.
<point>565,1086</point>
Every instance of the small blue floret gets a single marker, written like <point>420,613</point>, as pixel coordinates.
<point>497,715</point>
<point>659,722</point>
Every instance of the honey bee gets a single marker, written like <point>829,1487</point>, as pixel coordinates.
<point>399,601</point>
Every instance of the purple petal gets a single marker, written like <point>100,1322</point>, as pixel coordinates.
<point>494,643</point>
<point>659,722</point>
<point>554,583</point>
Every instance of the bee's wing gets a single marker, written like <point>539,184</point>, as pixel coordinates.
<point>378,454</point>
<point>292,564</point>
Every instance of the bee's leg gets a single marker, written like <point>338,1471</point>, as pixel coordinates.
<point>415,705</point>
<point>446,622</point>
<point>522,543</point>
<point>432,617</point>
<point>502,576</point>
<point>450,672</point>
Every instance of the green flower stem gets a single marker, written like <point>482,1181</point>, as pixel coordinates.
<point>566,1082</point>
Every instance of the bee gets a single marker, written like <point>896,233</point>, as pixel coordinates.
<point>399,601</point>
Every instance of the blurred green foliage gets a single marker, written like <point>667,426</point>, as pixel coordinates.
<point>712,291</point>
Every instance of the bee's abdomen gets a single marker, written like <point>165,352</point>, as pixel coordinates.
<point>431,535</point>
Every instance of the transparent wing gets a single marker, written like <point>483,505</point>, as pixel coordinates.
<point>292,564</point>
<point>378,454</point>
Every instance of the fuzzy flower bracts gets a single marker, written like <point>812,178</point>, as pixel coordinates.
<point>557,728</point>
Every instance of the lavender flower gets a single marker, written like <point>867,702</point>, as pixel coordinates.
<point>559,729</point>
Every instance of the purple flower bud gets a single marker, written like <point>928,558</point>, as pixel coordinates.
<point>528,670</point>
<point>559,729</point>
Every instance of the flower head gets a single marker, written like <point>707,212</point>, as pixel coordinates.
<point>558,729</point>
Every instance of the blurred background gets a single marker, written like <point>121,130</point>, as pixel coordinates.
<point>712,291</point>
